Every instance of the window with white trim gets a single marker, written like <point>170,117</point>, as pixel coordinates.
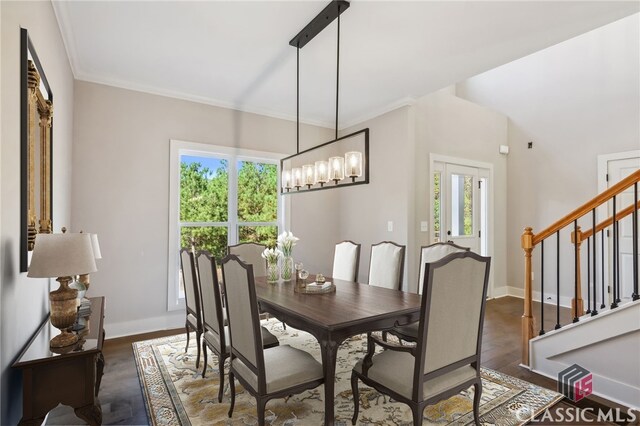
<point>220,196</point>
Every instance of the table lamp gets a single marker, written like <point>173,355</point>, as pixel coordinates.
<point>62,256</point>
<point>95,245</point>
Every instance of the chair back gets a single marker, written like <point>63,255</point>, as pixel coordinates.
<point>251,253</point>
<point>242,314</point>
<point>190,282</point>
<point>212,317</point>
<point>386,265</point>
<point>433,253</point>
<point>346,261</point>
<point>452,314</point>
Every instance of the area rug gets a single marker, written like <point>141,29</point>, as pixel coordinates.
<point>176,394</point>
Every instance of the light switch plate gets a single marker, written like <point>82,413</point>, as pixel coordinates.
<point>424,226</point>
<point>390,226</point>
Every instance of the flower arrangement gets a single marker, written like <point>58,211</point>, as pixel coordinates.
<point>286,242</point>
<point>271,255</point>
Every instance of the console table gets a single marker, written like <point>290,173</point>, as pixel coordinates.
<point>69,376</point>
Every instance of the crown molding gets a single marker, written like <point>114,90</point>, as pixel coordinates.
<point>391,106</point>
<point>61,13</point>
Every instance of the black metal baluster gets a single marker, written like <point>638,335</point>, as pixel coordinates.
<point>602,304</point>
<point>542,288</point>
<point>588,275</point>
<point>615,255</point>
<point>558,280</point>
<point>618,262</point>
<point>635,295</point>
<point>575,271</point>
<point>594,311</point>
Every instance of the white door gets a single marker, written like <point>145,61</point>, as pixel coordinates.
<point>461,213</point>
<point>618,170</point>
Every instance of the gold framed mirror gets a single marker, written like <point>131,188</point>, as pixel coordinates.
<point>36,133</point>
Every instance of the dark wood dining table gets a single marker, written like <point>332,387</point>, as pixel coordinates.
<point>331,318</point>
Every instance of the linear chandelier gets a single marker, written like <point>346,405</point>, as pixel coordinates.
<point>340,162</point>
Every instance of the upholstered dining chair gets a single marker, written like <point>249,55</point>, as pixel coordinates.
<point>251,253</point>
<point>386,265</point>
<point>215,332</point>
<point>265,373</point>
<point>346,261</point>
<point>428,254</point>
<point>446,356</point>
<point>192,298</point>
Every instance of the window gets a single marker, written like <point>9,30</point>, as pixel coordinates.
<point>220,196</point>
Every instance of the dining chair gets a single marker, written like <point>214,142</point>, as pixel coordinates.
<point>251,253</point>
<point>215,331</point>
<point>192,298</point>
<point>386,265</point>
<point>428,254</point>
<point>265,373</point>
<point>346,261</point>
<point>445,359</point>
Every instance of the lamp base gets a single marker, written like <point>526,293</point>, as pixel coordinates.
<point>63,339</point>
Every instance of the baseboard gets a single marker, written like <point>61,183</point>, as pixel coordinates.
<point>518,292</point>
<point>145,325</point>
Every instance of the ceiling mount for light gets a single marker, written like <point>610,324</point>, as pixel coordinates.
<point>315,167</point>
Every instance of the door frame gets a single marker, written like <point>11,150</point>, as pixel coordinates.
<point>485,172</point>
<point>603,211</point>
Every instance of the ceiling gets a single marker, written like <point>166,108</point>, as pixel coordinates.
<point>236,54</point>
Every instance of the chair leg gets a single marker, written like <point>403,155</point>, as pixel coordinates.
<point>284,326</point>
<point>186,327</point>
<point>384,336</point>
<point>477,393</point>
<point>356,397</point>
<point>417,415</point>
<point>198,346</point>
<point>260,405</point>
<point>221,359</point>
<point>204,352</point>
<point>232,385</point>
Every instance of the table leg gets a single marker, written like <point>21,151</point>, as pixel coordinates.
<point>329,349</point>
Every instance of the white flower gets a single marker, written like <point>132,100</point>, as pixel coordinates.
<point>271,255</point>
<point>286,241</point>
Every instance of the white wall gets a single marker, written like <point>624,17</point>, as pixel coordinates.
<point>121,161</point>
<point>574,101</point>
<point>24,302</point>
<point>451,126</point>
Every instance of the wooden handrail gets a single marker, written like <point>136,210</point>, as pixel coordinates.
<point>607,222</point>
<point>587,207</point>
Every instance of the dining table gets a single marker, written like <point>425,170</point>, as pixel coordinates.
<point>353,308</point>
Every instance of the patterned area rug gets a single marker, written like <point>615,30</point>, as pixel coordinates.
<point>176,394</point>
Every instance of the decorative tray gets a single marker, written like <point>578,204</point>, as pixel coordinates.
<point>315,289</point>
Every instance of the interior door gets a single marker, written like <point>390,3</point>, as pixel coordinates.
<point>462,206</point>
<point>618,170</point>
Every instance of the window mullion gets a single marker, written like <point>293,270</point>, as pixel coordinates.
<point>232,230</point>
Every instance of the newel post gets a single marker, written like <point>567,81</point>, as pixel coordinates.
<point>577,303</point>
<point>528,325</point>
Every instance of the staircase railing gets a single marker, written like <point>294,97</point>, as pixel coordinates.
<point>529,241</point>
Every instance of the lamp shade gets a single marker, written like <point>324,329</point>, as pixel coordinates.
<point>95,245</point>
<point>62,255</point>
<point>353,164</point>
<point>336,168</point>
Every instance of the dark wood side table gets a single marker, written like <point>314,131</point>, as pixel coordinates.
<point>71,378</point>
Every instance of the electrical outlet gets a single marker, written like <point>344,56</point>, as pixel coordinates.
<point>424,226</point>
<point>390,226</point>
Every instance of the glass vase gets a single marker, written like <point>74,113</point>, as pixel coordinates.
<point>286,271</point>
<point>273,273</point>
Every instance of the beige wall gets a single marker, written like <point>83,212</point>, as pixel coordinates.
<point>450,126</point>
<point>574,101</point>
<point>24,301</point>
<point>365,210</point>
<point>121,190</point>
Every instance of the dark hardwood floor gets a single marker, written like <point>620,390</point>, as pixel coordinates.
<point>122,402</point>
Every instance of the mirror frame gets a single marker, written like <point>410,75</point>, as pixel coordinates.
<point>36,109</point>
